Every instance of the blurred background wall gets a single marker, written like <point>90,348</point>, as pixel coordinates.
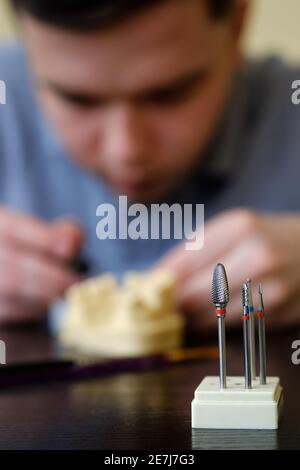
<point>6,20</point>
<point>274,27</point>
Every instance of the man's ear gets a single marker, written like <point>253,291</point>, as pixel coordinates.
<point>239,19</point>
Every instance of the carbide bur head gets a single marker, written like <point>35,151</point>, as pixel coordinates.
<point>249,284</point>
<point>220,289</point>
<point>245,295</point>
<point>261,307</point>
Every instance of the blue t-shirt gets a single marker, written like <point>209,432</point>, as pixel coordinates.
<point>254,160</point>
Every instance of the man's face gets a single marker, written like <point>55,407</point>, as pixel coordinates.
<point>137,103</point>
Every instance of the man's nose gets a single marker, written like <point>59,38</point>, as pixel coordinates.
<point>125,138</point>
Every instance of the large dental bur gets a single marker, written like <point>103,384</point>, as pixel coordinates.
<point>220,298</point>
<point>261,336</point>
<point>246,322</point>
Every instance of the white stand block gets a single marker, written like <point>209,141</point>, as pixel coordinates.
<point>236,407</point>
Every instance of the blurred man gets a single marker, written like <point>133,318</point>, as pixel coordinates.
<point>151,99</point>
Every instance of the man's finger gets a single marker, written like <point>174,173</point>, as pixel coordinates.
<point>70,234</point>
<point>222,234</point>
<point>32,275</point>
<point>14,311</point>
<point>28,231</point>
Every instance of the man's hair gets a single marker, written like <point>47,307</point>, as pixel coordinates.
<point>93,14</point>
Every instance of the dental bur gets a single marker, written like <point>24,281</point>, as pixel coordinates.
<point>220,298</point>
<point>261,336</point>
<point>251,330</point>
<point>246,322</point>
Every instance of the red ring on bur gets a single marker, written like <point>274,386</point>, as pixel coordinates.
<point>245,317</point>
<point>260,314</point>
<point>220,311</point>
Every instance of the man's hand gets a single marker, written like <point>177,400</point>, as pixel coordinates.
<point>33,264</point>
<point>265,248</point>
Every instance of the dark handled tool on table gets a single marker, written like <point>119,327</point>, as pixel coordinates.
<point>67,370</point>
<point>80,265</point>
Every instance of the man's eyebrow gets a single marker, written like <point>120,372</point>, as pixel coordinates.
<point>69,93</point>
<point>178,83</point>
<point>184,81</point>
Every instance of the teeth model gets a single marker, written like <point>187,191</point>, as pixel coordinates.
<point>138,317</point>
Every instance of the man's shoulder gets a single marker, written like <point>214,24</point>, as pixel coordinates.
<point>12,62</point>
<point>271,81</point>
<point>14,73</point>
<point>20,118</point>
<point>269,97</point>
<point>273,67</point>
<point>274,119</point>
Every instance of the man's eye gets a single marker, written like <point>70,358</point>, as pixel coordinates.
<point>172,96</point>
<point>85,102</point>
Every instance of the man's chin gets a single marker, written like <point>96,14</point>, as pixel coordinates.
<point>146,195</point>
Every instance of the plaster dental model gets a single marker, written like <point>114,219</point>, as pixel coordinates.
<point>136,318</point>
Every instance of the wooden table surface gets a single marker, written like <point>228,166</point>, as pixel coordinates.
<point>149,410</point>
